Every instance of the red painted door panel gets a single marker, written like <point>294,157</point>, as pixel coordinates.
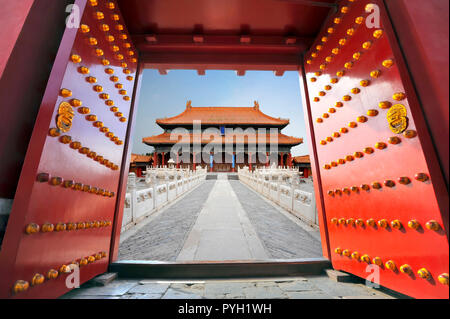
<point>70,179</point>
<point>356,80</point>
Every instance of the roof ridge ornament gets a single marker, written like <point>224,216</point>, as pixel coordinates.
<point>256,107</point>
<point>189,104</point>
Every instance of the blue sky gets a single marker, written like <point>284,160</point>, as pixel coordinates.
<point>166,95</point>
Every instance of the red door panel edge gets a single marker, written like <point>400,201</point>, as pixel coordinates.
<point>91,66</point>
<point>347,119</point>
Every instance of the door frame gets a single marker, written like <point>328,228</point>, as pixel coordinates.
<point>397,34</point>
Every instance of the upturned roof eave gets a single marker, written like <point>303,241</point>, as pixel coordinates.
<point>166,142</point>
<point>190,124</point>
<point>256,112</point>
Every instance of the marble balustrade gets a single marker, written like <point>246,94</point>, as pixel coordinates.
<point>285,187</point>
<point>160,187</point>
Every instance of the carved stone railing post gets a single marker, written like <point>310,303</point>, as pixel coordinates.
<point>293,185</point>
<point>144,201</point>
<point>132,190</point>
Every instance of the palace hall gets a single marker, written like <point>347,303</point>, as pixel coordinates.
<point>222,139</point>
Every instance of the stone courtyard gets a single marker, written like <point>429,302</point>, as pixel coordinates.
<point>220,220</point>
<point>309,287</point>
<point>223,219</point>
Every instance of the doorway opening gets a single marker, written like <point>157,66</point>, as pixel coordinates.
<point>219,170</point>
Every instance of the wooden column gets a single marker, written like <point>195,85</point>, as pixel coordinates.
<point>209,162</point>
<point>306,172</point>
<point>233,169</point>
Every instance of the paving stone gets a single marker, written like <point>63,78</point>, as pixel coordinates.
<point>266,284</point>
<point>223,288</point>
<point>163,237</point>
<point>264,293</point>
<point>297,286</point>
<point>109,290</point>
<point>376,293</point>
<point>176,294</point>
<point>340,276</point>
<point>93,297</point>
<point>153,288</point>
<point>376,296</point>
<point>337,289</point>
<point>187,286</point>
<point>215,296</point>
<point>104,279</point>
<point>321,287</point>
<point>222,230</point>
<point>291,280</point>
<point>282,238</point>
<point>307,295</point>
<point>170,282</point>
<point>198,289</point>
<point>142,296</point>
<point>231,296</point>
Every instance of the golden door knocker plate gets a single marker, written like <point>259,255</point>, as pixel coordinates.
<point>65,117</point>
<point>397,119</point>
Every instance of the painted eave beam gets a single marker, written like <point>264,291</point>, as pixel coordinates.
<point>221,43</point>
<point>237,62</point>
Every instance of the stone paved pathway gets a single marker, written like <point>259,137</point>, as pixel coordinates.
<point>222,230</point>
<point>309,287</point>
<point>188,227</point>
<point>220,220</point>
<point>163,237</point>
<point>282,238</point>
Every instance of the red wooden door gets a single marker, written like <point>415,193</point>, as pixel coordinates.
<point>383,197</point>
<point>64,211</point>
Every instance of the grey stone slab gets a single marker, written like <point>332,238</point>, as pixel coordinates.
<point>104,279</point>
<point>264,293</point>
<point>164,236</point>
<point>154,288</point>
<point>198,289</point>
<point>297,286</point>
<point>307,295</point>
<point>291,280</point>
<point>266,284</point>
<point>215,296</point>
<point>176,294</point>
<point>192,286</point>
<point>222,230</point>
<point>338,289</point>
<point>222,244</point>
<point>110,290</point>
<point>224,288</point>
<point>312,287</point>
<point>233,296</point>
<point>142,296</point>
<point>282,238</point>
<point>340,276</point>
<point>172,282</point>
<point>376,296</point>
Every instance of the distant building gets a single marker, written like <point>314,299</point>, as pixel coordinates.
<point>304,164</point>
<point>139,163</point>
<point>235,148</point>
